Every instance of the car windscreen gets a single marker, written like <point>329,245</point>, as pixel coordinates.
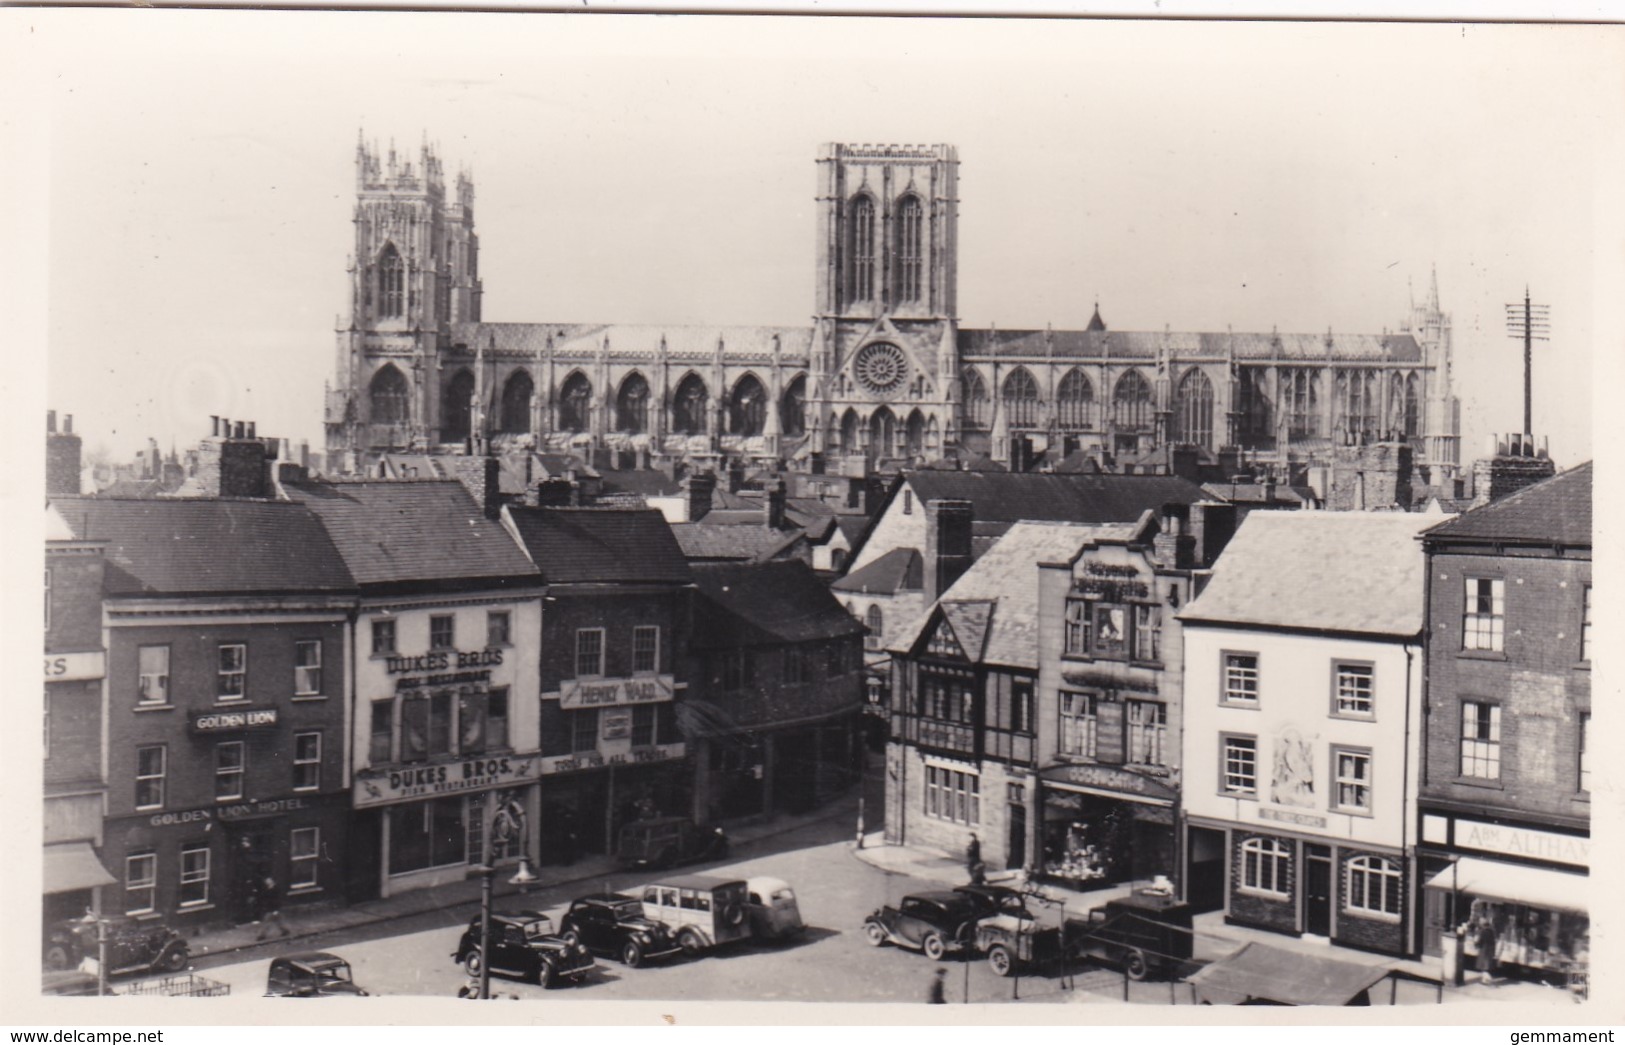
<point>538,927</point>
<point>629,911</point>
<point>338,973</point>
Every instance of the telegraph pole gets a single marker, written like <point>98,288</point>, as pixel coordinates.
<point>1532,323</point>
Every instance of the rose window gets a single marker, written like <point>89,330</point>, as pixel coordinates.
<point>880,368</point>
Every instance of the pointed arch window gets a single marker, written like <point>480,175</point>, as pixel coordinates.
<point>456,407</point>
<point>391,283</point>
<point>1131,401</point>
<point>914,434</point>
<point>747,413</point>
<point>883,432</point>
<point>1075,400</point>
<point>516,398</point>
<point>1413,425</point>
<point>973,394</point>
<point>575,403</point>
<point>1300,401</point>
<point>1193,411</point>
<point>632,405</point>
<point>389,397</point>
<point>861,249</point>
<point>849,432</point>
<point>910,249</point>
<point>793,408</point>
<point>1021,398</point>
<point>689,405</point>
<point>1255,403</point>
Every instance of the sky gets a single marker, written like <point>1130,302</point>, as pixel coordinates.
<point>197,179</point>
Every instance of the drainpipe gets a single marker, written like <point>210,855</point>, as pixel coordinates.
<point>1410,836</point>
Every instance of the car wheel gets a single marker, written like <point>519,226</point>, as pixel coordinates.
<point>472,961</point>
<point>1134,964</point>
<point>631,955</point>
<point>545,973</point>
<point>571,937</point>
<point>933,947</point>
<point>999,960</point>
<point>875,933</point>
<point>690,942</point>
<point>57,958</point>
<point>176,958</point>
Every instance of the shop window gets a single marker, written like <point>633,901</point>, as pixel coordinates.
<point>1079,719</point>
<point>643,725</point>
<point>1354,689</point>
<point>443,631</point>
<point>304,850</point>
<point>1077,628</point>
<point>426,834</point>
<point>230,764</point>
<point>1147,732</point>
<point>440,734</point>
<point>1266,864</point>
<point>140,882</point>
<point>153,666</point>
<point>645,649</point>
<point>307,761</point>
<point>953,795</point>
<point>497,628</point>
<point>233,674</point>
<point>795,669</point>
<point>1481,740</point>
<point>383,637</point>
<point>1241,678</point>
<point>1373,886</point>
<point>589,652</point>
<point>584,730</point>
<point>307,669</point>
<point>150,764</point>
<point>382,733</point>
<point>1585,623</point>
<point>1239,766</point>
<point>471,722</point>
<point>1484,619</point>
<point>496,719</point>
<point>1352,769</point>
<point>194,884</point>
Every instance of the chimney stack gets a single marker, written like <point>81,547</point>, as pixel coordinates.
<point>947,544</point>
<point>774,503</point>
<point>700,487</point>
<point>63,457</point>
<point>481,476</point>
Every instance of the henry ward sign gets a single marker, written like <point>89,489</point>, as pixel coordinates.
<point>596,693</point>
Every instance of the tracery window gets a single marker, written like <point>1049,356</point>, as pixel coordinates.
<point>973,394</point>
<point>1193,413</point>
<point>1131,401</point>
<point>632,405</point>
<point>1075,400</point>
<point>862,249</point>
<point>389,398</point>
<point>575,404</point>
<point>391,282</point>
<point>1021,398</point>
<point>516,397</point>
<point>910,237</point>
<point>689,406</point>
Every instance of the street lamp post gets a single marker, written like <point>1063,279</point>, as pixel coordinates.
<point>91,917</point>
<point>509,817</point>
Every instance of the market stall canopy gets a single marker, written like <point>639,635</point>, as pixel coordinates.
<point>1535,886</point>
<point>73,865</point>
<point>1259,973</point>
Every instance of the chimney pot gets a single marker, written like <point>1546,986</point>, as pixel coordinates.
<point>67,424</point>
<point>50,420</point>
<point>251,429</point>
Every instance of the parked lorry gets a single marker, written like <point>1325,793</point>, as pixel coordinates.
<point>1143,934</point>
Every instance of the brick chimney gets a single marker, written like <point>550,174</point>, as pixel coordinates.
<point>64,454</point>
<point>774,504</point>
<point>231,464</point>
<point>700,487</point>
<point>947,551</point>
<point>736,476</point>
<point>482,477</point>
<point>1512,465</point>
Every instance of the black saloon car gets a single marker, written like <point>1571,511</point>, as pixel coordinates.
<point>612,924</point>
<point>133,945</point>
<point>934,923</point>
<point>313,974</point>
<point>523,944</point>
<point>667,841</point>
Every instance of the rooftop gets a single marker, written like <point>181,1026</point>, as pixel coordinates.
<point>600,545</point>
<point>1552,511</point>
<point>767,603</point>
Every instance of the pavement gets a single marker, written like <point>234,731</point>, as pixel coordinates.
<point>1213,937</point>
<point>304,923</point>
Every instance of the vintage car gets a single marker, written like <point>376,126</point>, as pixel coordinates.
<point>1144,935</point>
<point>934,923</point>
<point>523,944</point>
<point>1014,935</point>
<point>668,841</point>
<point>702,911</point>
<point>613,924</point>
<point>133,945</point>
<point>313,974</point>
<point>771,905</point>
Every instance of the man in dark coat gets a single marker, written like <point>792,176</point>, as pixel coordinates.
<point>973,861</point>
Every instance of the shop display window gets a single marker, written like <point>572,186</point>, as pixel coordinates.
<point>426,834</point>
<point>1528,936</point>
<point>1088,839</point>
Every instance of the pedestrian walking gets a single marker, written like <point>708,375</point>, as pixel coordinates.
<point>270,898</point>
<point>938,992</point>
<point>1485,939</point>
<point>973,861</point>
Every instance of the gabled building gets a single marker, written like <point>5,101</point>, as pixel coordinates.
<point>1506,784</point>
<point>1303,717</point>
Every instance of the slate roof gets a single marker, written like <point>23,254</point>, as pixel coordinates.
<point>1001,497</point>
<point>702,541</point>
<point>693,343</point>
<point>994,605</point>
<point>1146,344</point>
<point>600,545</point>
<point>198,546</point>
<point>648,482</point>
<point>768,603</point>
<point>397,531</point>
<point>1254,493</point>
<point>900,569</point>
<point>1357,572</point>
<point>1552,511</point>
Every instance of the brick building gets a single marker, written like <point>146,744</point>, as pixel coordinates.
<point>1303,713</point>
<point>225,629</point>
<point>612,670</point>
<point>1505,804</point>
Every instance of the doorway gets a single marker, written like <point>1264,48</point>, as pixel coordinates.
<point>251,855</point>
<point>1204,880</point>
<point>1015,845</point>
<point>1317,890</point>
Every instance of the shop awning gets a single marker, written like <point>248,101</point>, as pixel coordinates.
<point>1535,886</point>
<point>73,865</point>
<point>1259,973</point>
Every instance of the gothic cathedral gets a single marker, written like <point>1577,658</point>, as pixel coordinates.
<point>884,376</point>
